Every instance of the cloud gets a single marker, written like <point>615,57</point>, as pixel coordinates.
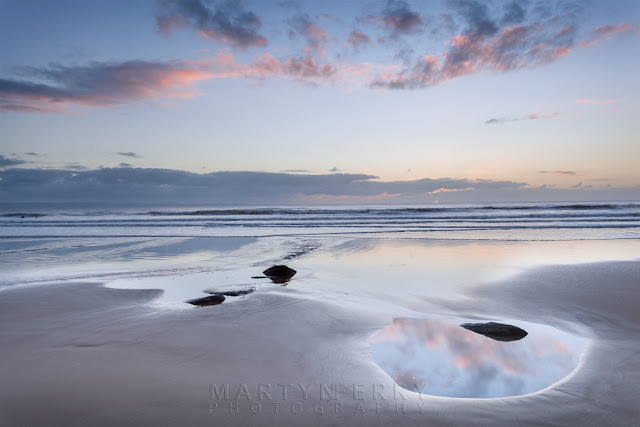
<point>97,84</point>
<point>6,161</point>
<point>572,173</point>
<point>480,37</point>
<point>514,13</point>
<point>130,154</point>
<point>398,17</point>
<point>358,39</point>
<point>398,20</point>
<point>128,184</point>
<point>75,167</point>
<point>536,115</point>
<point>607,32</point>
<point>598,101</point>
<point>525,40</point>
<point>125,165</point>
<point>227,22</point>
<point>315,35</point>
<point>101,84</point>
<point>476,15</point>
<point>32,154</point>
<point>300,68</point>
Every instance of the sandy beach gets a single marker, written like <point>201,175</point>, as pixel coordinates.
<point>79,353</point>
<point>331,213</point>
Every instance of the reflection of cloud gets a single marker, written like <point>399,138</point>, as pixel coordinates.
<point>408,381</point>
<point>452,361</point>
<point>560,347</point>
<point>394,332</point>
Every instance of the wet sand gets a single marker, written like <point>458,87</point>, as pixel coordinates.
<point>85,354</point>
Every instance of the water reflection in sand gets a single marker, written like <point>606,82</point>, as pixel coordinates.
<point>440,358</point>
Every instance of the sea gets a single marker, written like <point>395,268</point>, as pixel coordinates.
<point>116,245</point>
<point>490,221</point>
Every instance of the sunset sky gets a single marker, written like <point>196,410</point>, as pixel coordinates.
<point>319,101</point>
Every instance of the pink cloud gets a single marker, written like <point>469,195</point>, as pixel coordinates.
<point>540,115</point>
<point>598,101</point>
<point>109,84</point>
<point>317,37</point>
<point>305,69</point>
<point>479,48</point>
<point>399,17</point>
<point>607,32</point>
<point>266,65</point>
<point>357,39</point>
<point>226,22</point>
<point>515,47</point>
<point>569,173</point>
<point>99,85</point>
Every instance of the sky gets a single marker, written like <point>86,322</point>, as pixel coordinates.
<point>307,102</point>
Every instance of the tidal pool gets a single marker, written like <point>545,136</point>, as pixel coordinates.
<point>438,357</point>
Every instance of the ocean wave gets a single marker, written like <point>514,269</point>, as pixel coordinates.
<point>268,221</point>
<point>392,210</point>
<point>22,215</point>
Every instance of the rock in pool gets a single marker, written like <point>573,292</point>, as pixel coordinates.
<point>279,272</point>
<point>205,301</point>
<point>497,331</point>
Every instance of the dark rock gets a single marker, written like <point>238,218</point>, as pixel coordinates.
<point>258,277</point>
<point>205,301</point>
<point>279,272</point>
<point>497,331</point>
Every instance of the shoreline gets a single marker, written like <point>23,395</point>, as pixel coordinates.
<point>86,353</point>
